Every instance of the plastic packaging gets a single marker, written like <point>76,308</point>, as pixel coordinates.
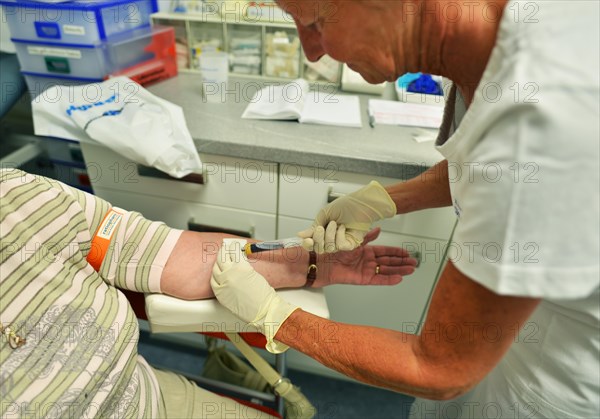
<point>126,118</point>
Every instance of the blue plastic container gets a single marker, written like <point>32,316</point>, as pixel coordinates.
<point>88,61</point>
<point>75,22</point>
<point>62,59</point>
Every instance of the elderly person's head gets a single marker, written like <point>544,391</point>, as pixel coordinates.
<point>383,39</point>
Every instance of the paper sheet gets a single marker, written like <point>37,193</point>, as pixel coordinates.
<point>331,109</point>
<point>295,101</point>
<point>389,112</point>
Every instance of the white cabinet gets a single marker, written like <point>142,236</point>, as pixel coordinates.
<point>230,182</point>
<point>237,195</point>
<point>180,214</point>
<point>304,190</point>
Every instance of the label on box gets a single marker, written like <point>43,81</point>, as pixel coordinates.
<point>74,30</point>
<point>55,52</point>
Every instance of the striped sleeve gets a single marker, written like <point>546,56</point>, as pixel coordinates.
<point>139,248</point>
<point>80,356</point>
<point>138,253</point>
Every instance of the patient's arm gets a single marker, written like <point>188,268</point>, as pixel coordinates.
<point>189,267</point>
<point>140,248</point>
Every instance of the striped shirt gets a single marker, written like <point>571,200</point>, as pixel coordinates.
<point>80,358</point>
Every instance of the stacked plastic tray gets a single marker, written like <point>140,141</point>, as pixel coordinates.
<point>85,41</point>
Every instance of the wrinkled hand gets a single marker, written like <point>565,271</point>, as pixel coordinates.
<point>358,267</point>
<point>248,295</point>
<point>343,224</point>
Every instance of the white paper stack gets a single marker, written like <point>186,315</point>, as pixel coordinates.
<point>389,112</point>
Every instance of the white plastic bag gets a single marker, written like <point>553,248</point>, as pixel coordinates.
<point>125,117</point>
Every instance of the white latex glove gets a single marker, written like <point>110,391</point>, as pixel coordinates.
<point>248,295</point>
<point>343,224</point>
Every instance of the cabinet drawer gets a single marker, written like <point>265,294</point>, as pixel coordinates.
<point>239,183</point>
<point>399,307</point>
<point>304,191</point>
<point>178,214</point>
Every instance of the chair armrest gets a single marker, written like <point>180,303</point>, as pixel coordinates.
<point>169,314</point>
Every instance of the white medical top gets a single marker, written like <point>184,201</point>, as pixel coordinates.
<point>524,177</point>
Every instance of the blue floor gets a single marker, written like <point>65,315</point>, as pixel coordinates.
<point>334,399</point>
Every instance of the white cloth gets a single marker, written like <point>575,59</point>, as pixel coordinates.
<point>524,176</point>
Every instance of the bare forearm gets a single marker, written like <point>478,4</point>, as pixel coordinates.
<point>434,364</point>
<point>430,189</point>
<point>362,352</point>
<point>189,268</point>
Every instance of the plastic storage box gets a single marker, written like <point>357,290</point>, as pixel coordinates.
<point>93,61</point>
<point>161,66</point>
<point>157,62</point>
<point>75,22</point>
<point>157,48</point>
<point>62,59</point>
<point>68,162</point>
<point>38,83</point>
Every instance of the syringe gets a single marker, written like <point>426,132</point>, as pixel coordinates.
<point>250,248</point>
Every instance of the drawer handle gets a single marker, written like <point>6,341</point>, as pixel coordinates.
<point>146,171</point>
<point>332,196</point>
<point>204,228</point>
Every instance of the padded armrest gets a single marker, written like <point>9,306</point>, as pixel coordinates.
<point>169,314</point>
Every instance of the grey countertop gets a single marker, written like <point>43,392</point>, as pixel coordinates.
<point>217,128</point>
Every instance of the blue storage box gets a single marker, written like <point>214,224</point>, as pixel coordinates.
<point>75,22</point>
<point>88,61</point>
<point>62,59</point>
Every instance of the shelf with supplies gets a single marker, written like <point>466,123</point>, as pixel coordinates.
<point>258,49</point>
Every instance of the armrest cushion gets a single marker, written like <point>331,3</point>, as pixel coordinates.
<point>169,314</point>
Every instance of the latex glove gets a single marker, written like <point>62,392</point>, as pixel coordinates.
<point>248,295</point>
<point>343,224</point>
